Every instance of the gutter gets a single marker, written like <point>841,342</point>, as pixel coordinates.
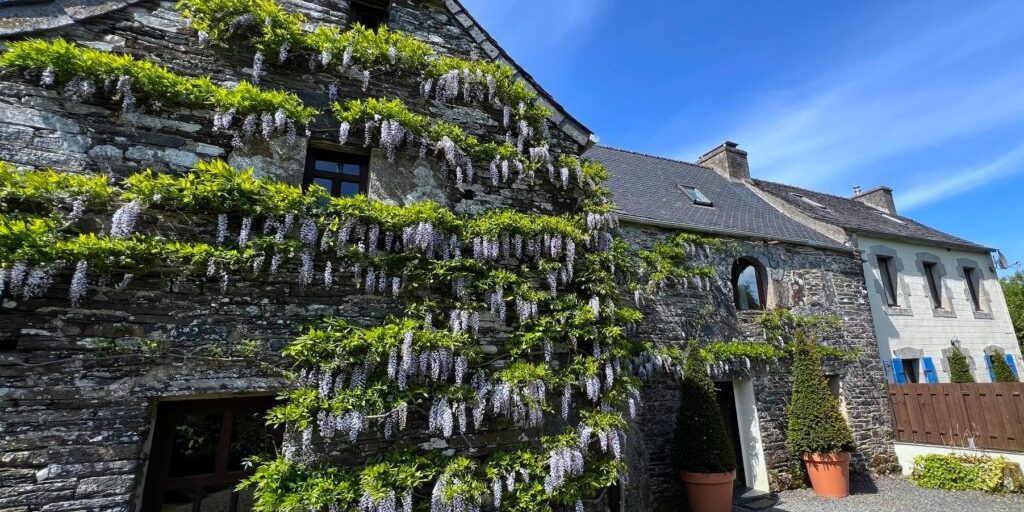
<point>635,219</point>
<point>926,241</point>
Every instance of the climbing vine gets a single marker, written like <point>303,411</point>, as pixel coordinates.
<point>554,279</point>
<point>278,34</point>
<point>85,73</point>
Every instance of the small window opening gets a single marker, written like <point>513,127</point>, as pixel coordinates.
<point>371,15</point>
<point>885,267</point>
<point>973,285</point>
<point>199,447</point>
<point>749,285</point>
<point>911,369</point>
<point>934,286</point>
<point>341,174</point>
<point>697,196</point>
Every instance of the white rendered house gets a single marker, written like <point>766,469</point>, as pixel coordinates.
<point>931,293</point>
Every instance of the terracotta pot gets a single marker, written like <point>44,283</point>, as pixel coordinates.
<point>709,492</point>
<point>829,473</point>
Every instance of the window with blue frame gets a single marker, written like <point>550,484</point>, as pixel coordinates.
<point>1010,361</point>
<point>908,371</point>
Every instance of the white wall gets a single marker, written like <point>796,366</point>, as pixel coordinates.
<point>916,324</point>
<point>751,446</point>
<point>906,452</point>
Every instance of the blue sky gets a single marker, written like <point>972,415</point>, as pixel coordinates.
<point>926,97</point>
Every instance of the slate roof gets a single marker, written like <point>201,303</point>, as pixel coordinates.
<point>858,217</point>
<point>647,189</point>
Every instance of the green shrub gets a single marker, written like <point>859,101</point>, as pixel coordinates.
<point>816,424</point>
<point>959,371</point>
<point>1001,369</point>
<point>702,445</point>
<point>966,473</point>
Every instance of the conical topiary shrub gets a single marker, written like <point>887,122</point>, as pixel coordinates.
<point>702,445</point>
<point>1002,370</point>
<point>816,423</point>
<point>959,370</point>
<point>817,431</point>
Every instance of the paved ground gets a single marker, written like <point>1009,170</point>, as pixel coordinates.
<point>884,495</point>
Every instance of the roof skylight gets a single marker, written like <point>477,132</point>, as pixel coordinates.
<point>696,196</point>
<point>810,201</point>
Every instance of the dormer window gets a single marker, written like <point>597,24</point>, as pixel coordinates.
<point>369,14</point>
<point>696,196</point>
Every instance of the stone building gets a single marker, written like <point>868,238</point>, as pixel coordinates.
<point>92,398</point>
<point>931,293</point>
<point>96,397</point>
<point>779,262</point>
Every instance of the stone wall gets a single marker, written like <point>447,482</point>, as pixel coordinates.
<point>803,278</point>
<point>78,386</point>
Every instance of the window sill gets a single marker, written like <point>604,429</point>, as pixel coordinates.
<point>984,315</point>
<point>898,311</point>
<point>943,313</point>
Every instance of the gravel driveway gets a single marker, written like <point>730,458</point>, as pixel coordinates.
<point>885,494</point>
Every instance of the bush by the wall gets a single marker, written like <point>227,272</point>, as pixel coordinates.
<point>959,370</point>
<point>702,445</point>
<point>967,473</point>
<point>1002,371</point>
<point>816,423</point>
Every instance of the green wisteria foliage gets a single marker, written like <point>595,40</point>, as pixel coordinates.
<point>87,73</point>
<point>554,280</point>
<point>277,34</point>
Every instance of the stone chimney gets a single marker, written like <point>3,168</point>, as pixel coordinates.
<point>728,160</point>
<point>880,198</point>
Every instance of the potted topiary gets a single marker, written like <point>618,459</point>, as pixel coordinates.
<point>703,451</point>
<point>817,431</point>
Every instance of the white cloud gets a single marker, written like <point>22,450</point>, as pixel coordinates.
<point>961,180</point>
<point>937,88</point>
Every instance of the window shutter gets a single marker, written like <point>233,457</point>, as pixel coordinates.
<point>897,371</point>
<point>1013,365</point>
<point>929,371</point>
<point>991,371</point>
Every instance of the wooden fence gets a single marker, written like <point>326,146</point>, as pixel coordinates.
<point>984,416</point>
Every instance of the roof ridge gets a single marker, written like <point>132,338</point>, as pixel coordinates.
<point>648,155</point>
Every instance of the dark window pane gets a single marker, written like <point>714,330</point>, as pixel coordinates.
<point>178,501</point>
<point>888,275</point>
<point>352,169</point>
<point>327,184</point>
<point>325,166</point>
<point>349,189</point>
<point>249,437</point>
<point>196,437</point>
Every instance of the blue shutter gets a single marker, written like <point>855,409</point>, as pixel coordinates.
<point>991,371</point>
<point>897,371</point>
<point>1013,365</point>
<point>929,371</point>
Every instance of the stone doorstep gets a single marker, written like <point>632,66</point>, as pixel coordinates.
<point>745,500</point>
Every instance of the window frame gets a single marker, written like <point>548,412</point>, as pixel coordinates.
<point>169,413</point>
<point>338,179</point>
<point>930,271</point>
<point>761,278</point>
<point>887,273</point>
<point>698,197</point>
<point>973,281</point>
